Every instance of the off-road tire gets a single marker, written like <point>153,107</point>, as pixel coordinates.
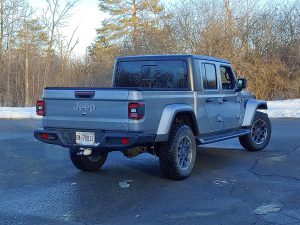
<point>169,152</point>
<point>87,163</point>
<point>247,141</point>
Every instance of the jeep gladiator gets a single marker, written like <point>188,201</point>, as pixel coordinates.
<point>165,105</point>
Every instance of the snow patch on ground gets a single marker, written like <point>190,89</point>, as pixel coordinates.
<point>265,209</point>
<point>277,109</point>
<point>284,108</point>
<point>18,113</point>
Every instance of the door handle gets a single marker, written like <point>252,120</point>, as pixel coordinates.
<point>209,100</point>
<point>84,94</point>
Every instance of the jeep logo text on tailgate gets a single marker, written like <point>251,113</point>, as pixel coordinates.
<point>84,107</point>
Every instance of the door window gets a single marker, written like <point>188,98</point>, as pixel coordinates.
<point>209,76</point>
<point>227,78</point>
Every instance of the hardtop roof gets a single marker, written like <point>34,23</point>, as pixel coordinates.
<point>175,56</point>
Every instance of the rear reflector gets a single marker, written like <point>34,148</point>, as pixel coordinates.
<point>44,136</point>
<point>40,108</point>
<point>136,110</point>
<point>47,136</point>
<point>125,141</point>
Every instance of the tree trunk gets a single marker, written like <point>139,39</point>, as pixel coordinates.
<point>1,35</point>
<point>134,20</point>
<point>1,26</point>
<point>26,73</point>
<point>8,91</point>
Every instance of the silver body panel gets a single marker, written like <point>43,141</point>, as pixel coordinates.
<point>251,106</point>
<point>107,110</point>
<point>167,119</point>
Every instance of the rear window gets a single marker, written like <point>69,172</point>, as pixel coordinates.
<point>152,74</point>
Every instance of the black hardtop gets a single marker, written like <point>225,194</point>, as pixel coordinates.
<point>170,57</point>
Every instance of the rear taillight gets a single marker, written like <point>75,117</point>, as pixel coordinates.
<point>40,108</point>
<point>136,110</point>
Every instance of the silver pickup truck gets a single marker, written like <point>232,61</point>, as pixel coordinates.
<point>165,105</point>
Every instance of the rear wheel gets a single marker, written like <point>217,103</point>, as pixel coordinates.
<point>87,163</point>
<point>177,156</point>
<point>260,133</point>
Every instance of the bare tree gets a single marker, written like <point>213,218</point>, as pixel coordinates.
<point>261,39</point>
<point>54,18</point>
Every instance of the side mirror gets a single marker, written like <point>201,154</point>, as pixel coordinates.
<point>241,84</point>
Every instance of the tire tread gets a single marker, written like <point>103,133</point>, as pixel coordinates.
<point>246,140</point>
<point>168,153</point>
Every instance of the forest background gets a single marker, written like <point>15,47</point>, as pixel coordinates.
<point>260,37</point>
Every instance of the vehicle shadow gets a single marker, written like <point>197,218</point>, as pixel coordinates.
<point>207,159</point>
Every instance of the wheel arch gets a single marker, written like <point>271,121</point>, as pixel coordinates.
<point>172,113</point>
<point>251,106</point>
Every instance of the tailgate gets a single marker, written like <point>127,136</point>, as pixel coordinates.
<point>103,109</point>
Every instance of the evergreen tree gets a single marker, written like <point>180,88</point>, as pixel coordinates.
<point>127,19</point>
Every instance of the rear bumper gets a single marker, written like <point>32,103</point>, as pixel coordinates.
<point>107,140</point>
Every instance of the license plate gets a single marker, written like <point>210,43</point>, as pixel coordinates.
<point>85,138</point>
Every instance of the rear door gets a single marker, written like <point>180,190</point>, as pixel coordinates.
<point>103,109</point>
<point>211,94</point>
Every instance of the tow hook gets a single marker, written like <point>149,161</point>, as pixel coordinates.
<point>85,151</point>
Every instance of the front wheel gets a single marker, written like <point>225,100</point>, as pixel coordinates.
<point>87,163</point>
<point>260,133</point>
<point>177,156</point>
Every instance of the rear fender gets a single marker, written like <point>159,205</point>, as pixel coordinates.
<point>167,118</point>
<point>252,105</point>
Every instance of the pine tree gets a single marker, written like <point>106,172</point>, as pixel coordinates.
<point>127,19</point>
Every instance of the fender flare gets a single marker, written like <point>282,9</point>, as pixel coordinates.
<point>251,107</point>
<point>168,115</point>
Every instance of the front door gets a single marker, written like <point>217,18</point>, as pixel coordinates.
<point>231,100</point>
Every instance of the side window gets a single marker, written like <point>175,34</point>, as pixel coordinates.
<point>227,78</point>
<point>209,76</point>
